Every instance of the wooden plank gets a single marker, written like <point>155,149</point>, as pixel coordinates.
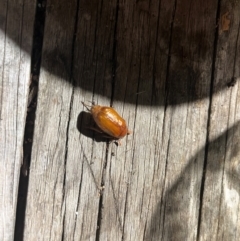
<point>16,32</point>
<point>187,117</point>
<point>154,60</point>
<point>62,181</point>
<point>128,200</point>
<point>147,193</point>
<point>45,209</point>
<point>86,159</point>
<point>220,209</point>
<point>160,202</point>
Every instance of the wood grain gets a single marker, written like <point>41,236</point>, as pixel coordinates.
<point>157,63</point>
<point>16,33</point>
<point>220,204</point>
<point>45,208</point>
<point>164,166</point>
<point>93,71</point>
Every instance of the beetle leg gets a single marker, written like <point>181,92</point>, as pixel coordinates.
<point>119,142</point>
<point>87,106</point>
<point>129,132</point>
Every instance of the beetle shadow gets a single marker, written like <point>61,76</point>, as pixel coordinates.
<point>87,127</point>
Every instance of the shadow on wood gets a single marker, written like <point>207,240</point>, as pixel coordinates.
<point>102,50</point>
<point>222,152</point>
<point>168,53</point>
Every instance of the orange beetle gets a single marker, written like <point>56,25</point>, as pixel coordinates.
<point>109,121</point>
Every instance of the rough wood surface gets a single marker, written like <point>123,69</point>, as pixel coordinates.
<point>220,204</point>
<point>16,33</point>
<point>157,62</point>
<point>44,218</point>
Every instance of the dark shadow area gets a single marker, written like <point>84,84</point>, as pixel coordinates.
<point>173,203</point>
<point>143,63</point>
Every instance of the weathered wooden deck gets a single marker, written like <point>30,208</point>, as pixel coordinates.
<point>171,68</point>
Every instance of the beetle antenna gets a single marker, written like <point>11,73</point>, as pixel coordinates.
<point>87,106</point>
<point>92,102</point>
